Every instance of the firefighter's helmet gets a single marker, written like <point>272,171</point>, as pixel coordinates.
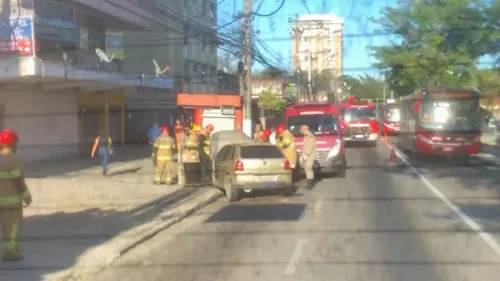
<point>164,129</point>
<point>267,134</point>
<point>8,137</point>
<point>280,129</point>
<point>196,128</point>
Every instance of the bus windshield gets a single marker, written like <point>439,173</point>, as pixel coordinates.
<point>359,114</point>
<point>318,124</point>
<point>450,115</point>
<point>392,114</point>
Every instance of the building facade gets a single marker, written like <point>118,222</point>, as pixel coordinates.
<point>274,85</point>
<point>63,72</point>
<point>318,43</point>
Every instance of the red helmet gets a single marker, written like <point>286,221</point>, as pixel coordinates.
<point>164,129</point>
<point>267,133</point>
<point>8,137</point>
<point>280,129</point>
<point>210,127</point>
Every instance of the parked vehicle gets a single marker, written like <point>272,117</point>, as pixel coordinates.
<point>442,121</point>
<point>249,166</point>
<point>323,120</point>
<point>359,122</point>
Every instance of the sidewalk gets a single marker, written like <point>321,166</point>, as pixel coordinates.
<point>81,222</point>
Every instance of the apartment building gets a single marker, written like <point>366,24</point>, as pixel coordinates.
<point>64,71</point>
<point>318,43</point>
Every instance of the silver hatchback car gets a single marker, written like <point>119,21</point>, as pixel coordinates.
<point>249,166</point>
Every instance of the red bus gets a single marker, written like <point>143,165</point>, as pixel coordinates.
<point>359,121</point>
<point>323,121</point>
<point>441,121</point>
<point>390,116</point>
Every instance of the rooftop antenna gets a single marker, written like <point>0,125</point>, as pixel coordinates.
<point>158,70</point>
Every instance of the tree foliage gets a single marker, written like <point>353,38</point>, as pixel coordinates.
<point>269,100</point>
<point>271,72</point>
<point>439,43</point>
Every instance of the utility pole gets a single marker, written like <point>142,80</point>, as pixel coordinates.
<point>247,59</point>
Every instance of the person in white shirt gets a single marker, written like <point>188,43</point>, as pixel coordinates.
<point>272,137</point>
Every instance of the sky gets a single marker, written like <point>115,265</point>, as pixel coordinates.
<point>275,31</point>
<point>359,29</point>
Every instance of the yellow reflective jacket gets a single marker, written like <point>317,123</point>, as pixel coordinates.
<point>286,142</point>
<point>13,189</point>
<point>163,148</point>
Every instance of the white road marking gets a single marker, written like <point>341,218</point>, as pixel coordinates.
<point>477,228</point>
<point>294,260</point>
<point>318,205</point>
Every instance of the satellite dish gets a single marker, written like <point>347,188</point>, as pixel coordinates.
<point>103,57</point>
<point>158,70</point>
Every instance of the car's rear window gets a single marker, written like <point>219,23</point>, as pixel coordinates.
<point>260,152</point>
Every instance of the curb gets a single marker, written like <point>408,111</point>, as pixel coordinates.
<point>99,257</point>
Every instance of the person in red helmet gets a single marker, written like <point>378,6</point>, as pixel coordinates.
<point>286,142</point>
<point>13,193</point>
<point>267,135</point>
<point>163,152</point>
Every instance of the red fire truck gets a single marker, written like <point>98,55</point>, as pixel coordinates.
<point>441,121</point>
<point>390,116</point>
<point>359,121</point>
<point>323,121</point>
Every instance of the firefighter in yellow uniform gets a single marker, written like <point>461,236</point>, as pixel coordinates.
<point>204,149</point>
<point>13,193</point>
<point>286,142</point>
<point>163,152</point>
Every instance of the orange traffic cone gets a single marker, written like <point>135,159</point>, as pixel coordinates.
<point>392,158</point>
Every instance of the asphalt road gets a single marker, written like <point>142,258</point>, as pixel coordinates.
<point>383,222</point>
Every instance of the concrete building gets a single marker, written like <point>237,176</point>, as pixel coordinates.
<point>275,85</point>
<point>58,91</point>
<point>317,43</point>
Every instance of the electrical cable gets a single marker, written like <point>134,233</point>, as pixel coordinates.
<point>272,13</point>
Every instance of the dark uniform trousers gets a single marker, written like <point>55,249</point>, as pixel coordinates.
<point>205,169</point>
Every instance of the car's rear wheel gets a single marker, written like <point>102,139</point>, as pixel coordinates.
<point>232,193</point>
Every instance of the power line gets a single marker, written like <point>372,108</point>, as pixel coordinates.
<point>272,13</point>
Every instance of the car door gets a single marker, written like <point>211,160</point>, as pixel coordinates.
<point>227,163</point>
<point>219,158</point>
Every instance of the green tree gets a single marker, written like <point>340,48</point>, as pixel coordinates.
<point>440,42</point>
<point>270,101</point>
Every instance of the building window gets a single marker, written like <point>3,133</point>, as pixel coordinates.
<point>186,3</point>
<point>186,34</point>
<point>204,41</point>
<point>195,67</point>
<point>187,74</point>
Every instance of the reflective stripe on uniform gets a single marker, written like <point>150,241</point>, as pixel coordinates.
<point>164,146</point>
<point>11,200</point>
<point>163,158</point>
<point>11,174</point>
<point>11,243</point>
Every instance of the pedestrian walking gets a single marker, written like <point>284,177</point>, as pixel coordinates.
<point>179,135</point>
<point>153,133</point>
<point>163,152</point>
<point>13,193</point>
<point>308,157</point>
<point>103,145</point>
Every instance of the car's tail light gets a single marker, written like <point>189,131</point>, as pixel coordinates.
<point>238,166</point>
<point>287,165</point>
